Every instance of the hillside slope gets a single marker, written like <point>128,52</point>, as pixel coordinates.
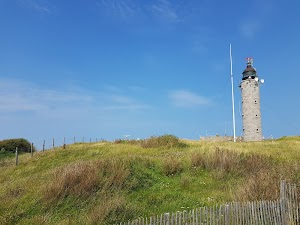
<point>104,183</point>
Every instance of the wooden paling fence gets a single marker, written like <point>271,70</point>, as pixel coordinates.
<point>284,211</point>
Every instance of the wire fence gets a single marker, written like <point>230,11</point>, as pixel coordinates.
<point>46,144</point>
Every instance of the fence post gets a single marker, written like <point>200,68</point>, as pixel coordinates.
<point>74,139</point>
<point>82,139</point>
<point>17,156</point>
<point>90,140</point>
<point>31,150</point>
<point>96,139</point>
<point>53,143</point>
<point>64,140</point>
<point>44,146</point>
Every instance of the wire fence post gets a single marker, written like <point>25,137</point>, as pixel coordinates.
<point>74,140</point>
<point>53,143</point>
<point>90,140</point>
<point>96,139</point>
<point>17,156</point>
<point>64,140</point>
<point>31,149</point>
<point>44,146</point>
<point>82,139</point>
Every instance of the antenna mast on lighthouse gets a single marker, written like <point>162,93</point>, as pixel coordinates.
<point>232,96</point>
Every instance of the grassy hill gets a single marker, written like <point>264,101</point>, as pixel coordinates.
<point>104,183</point>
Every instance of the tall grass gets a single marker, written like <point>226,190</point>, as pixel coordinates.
<point>105,183</point>
<point>261,174</point>
<point>80,179</point>
<point>112,209</point>
<point>172,166</point>
<point>86,178</point>
<point>165,141</point>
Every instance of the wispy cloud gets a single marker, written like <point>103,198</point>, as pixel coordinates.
<point>166,10</point>
<point>40,6</point>
<point>161,10</point>
<point>118,8</point>
<point>20,96</point>
<point>187,99</point>
<point>118,101</point>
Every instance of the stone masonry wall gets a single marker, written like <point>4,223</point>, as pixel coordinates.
<point>251,110</point>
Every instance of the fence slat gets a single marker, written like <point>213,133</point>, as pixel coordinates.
<point>283,211</point>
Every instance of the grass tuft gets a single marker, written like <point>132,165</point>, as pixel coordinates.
<point>80,179</point>
<point>111,210</point>
<point>172,166</point>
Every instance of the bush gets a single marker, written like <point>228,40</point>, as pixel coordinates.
<point>167,141</point>
<point>11,144</point>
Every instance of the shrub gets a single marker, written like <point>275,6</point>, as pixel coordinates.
<point>11,144</point>
<point>167,141</point>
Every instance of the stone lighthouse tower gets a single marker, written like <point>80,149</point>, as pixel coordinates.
<point>251,103</point>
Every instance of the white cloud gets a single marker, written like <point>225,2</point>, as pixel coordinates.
<point>40,6</point>
<point>162,10</point>
<point>121,102</point>
<point>20,96</point>
<point>121,99</point>
<point>118,8</point>
<point>187,99</point>
<point>165,10</point>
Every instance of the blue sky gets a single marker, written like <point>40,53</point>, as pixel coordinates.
<point>106,68</point>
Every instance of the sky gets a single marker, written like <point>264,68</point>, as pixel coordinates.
<point>109,68</point>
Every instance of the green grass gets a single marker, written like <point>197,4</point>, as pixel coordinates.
<point>104,183</point>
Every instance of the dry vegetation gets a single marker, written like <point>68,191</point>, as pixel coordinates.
<point>104,183</point>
